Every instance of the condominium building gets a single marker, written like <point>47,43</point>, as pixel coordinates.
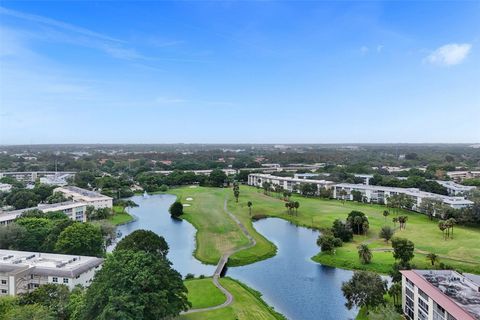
<point>22,271</point>
<point>380,194</point>
<point>455,189</point>
<point>32,176</point>
<point>73,209</point>
<point>92,198</point>
<point>287,183</point>
<point>5,187</point>
<point>440,295</point>
<point>461,175</point>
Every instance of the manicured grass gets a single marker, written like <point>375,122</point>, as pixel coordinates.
<point>247,304</point>
<point>206,214</point>
<point>216,232</point>
<point>120,216</point>
<point>202,293</point>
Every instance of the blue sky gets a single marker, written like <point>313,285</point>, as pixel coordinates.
<point>239,72</point>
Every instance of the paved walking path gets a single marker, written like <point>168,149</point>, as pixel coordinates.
<point>221,265</point>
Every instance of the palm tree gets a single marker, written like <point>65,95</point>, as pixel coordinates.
<point>395,292</point>
<point>451,223</point>
<point>394,220</point>
<point>365,227</point>
<point>296,204</point>
<point>364,253</point>
<point>249,204</point>
<point>442,227</point>
<point>343,194</point>
<point>386,214</point>
<point>357,221</point>
<point>432,257</point>
<point>287,205</point>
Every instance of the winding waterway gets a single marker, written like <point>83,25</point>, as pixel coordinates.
<point>292,283</point>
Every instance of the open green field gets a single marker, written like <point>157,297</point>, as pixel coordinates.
<point>202,293</point>
<point>247,303</point>
<point>120,216</point>
<point>216,232</point>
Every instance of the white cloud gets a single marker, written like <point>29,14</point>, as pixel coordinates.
<point>380,48</point>
<point>449,54</point>
<point>364,50</point>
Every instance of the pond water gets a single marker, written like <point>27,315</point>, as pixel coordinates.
<point>296,286</point>
<point>152,214</point>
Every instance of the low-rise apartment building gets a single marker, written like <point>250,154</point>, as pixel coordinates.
<point>440,295</point>
<point>461,175</point>
<point>92,198</point>
<point>73,209</point>
<point>380,194</point>
<point>287,183</point>
<point>22,271</point>
<point>455,189</point>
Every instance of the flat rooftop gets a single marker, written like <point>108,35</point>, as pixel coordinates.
<point>462,289</point>
<point>47,263</point>
<point>84,192</point>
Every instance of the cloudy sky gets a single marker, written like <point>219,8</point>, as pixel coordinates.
<point>240,72</point>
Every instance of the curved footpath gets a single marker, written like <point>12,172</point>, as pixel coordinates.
<point>221,265</point>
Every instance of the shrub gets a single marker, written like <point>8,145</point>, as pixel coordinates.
<point>189,276</point>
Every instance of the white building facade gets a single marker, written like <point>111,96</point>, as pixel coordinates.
<point>380,194</point>
<point>287,183</point>
<point>22,271</point>
<point>440,295</point>
<point>92,198</point>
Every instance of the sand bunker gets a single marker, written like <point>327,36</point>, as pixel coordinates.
<point>189,199</point>
<point>186,205</point>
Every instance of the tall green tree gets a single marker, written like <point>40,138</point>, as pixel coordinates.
<point>249,205</point>
<point>54,297</point>
<point>403,250</point>
<point>144,240</point>
<point>81,239</point>
<point>176,209</point>
<point>364,289</point>
<point>364,253</point>
<point>135,285</point>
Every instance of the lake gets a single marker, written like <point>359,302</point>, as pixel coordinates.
<point>296,286</point>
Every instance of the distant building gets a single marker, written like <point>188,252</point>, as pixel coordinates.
<point>5,187</point>
<point>22,271</point>
<point>462,175</point>
<point>365,177</point>
<point>455,189</point>
<point>32,176</point>
<point>287,183</point>
<point>73,209</point>
<point>380,194</point>
<point>440,295</point>
<point>92,198</point>
<point>56,179</point>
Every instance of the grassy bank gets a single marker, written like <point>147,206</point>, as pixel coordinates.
<point>120,216</point>
<point>202,293</point>
<point>218,233</point>
<point>247,303</point>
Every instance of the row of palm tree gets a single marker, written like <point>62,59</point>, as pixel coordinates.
<point>292,207</point>
<point>446,226</point>
<point>402,220</point>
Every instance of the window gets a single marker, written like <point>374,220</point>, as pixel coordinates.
<point>4,281</point>
<point>4,291</point>
<point>55,279</point>
<point>409,283</point>
<point>422,305</point>
<point>409,293</point>
<point>65,280</point>
<point>423,294</point>
<point>31,276</point>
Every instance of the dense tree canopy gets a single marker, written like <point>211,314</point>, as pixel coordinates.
<point>364,289</point>
<point>81,239</point>
<point>176,209</point>
<point>144,240</point>
<point>135,285</point>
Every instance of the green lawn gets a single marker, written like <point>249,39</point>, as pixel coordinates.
<point>247,303</point>
<point>217,233</point>
<point>120,216</point>
<point>202,293</point>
